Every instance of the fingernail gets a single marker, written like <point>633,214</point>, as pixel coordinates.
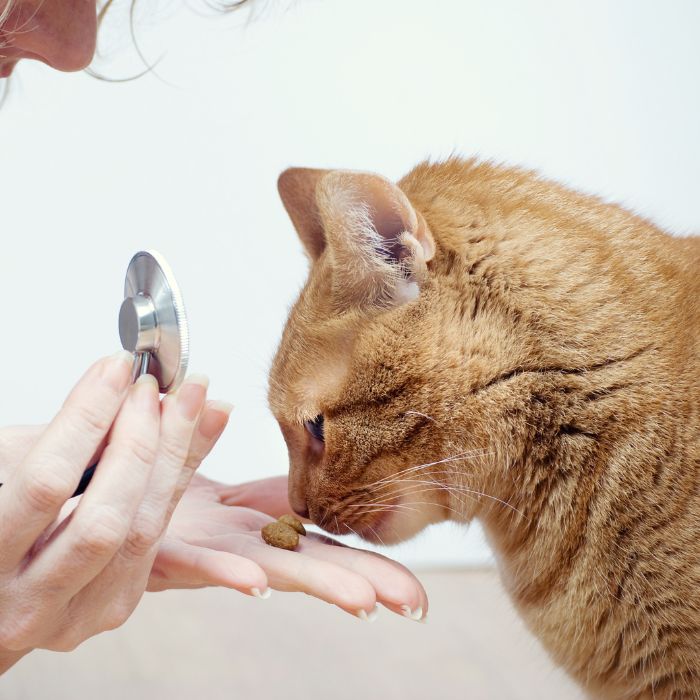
<point>146,390</point>
<point>222,406</point>
<point>123,356</point>
<point>368,617</point>
<point>215,418</point>
<point>416,614</point>
<point>117,370</point>
<point>191,395</point>
<point>263,596</point>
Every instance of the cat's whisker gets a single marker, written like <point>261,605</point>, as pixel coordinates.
<point>434,486</point>
<point>428,503</point>
<point>460,456</point>
<point>352,529</point>
<point>382,490</point>
<point>324,520</point>
<point>378,507</point>
<point>403,482</point>
<point>377,535</point>
<point>423,415</point>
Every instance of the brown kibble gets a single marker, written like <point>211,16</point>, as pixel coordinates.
<point>280,535</point>
<point>293,522</point>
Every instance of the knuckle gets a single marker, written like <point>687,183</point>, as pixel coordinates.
<point>66,640</point>
<point>143,450</point>
<point>192,464</point>
<point>142,537</point>
<point>117,615</point>
<point>19,633</point>
<point>100,532</point>
<point>47,488</point>
<point>92,419</point>
<point>173,449</point>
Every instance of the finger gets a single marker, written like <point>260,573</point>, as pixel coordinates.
<point>98,527</point>
<point>125,578</point>
<point>16,441</point>
<point>183,565</point>
<point>396,587</point>
<point>180,414</point>
<point>296,571</point>
<point>266,495</point>
<point>212,423</point>
<point>30,501</point>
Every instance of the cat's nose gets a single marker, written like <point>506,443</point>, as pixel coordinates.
<point>298,503</point>
<point>302,512</point>
<point>297,495</point>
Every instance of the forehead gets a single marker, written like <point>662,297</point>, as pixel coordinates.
<point>328,358</point>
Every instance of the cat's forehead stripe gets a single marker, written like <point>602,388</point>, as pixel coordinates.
<point>321,382</point>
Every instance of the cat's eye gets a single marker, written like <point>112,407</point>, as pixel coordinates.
<point>315,427</point>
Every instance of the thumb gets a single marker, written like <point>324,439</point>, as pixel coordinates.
<point>266,495</point>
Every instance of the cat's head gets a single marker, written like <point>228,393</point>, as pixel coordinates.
<point>363,383</point>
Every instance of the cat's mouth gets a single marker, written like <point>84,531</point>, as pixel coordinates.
<point>386,523</point>
<point>352,516</point>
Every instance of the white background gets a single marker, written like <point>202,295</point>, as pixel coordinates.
<point>602,95</point>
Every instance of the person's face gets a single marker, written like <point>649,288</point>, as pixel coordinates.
<point>60,33</point>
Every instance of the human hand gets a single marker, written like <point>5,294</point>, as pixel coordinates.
<point>71,570</point>
<point>214,540</point>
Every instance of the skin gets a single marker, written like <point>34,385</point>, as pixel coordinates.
<point>482,343</point>
<point>73,567</point>
<point>60,33</point>
<point>68,572</point>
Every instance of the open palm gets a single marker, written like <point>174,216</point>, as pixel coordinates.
<point>214,540</point>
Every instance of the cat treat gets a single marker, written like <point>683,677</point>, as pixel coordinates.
<point>284,533</point>
<point>293,523</point>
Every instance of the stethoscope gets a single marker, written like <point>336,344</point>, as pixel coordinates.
<point>152,321</point>
<point>152,326</point>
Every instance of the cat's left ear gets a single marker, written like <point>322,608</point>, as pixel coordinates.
<point>297,188</point>
<point>376,242</point>
<point>379,244</point>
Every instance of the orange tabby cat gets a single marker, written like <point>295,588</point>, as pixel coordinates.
<point>478,342</point>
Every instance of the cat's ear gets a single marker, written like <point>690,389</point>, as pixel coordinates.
<point>379,244</point>
<point>297,188</point>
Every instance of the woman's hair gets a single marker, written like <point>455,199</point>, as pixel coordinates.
<point>102,9</point>
<point>104,5</point>
<point>222,6</point>
<point>5,11</point>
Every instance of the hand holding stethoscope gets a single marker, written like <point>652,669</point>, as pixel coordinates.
<point>70,568</point>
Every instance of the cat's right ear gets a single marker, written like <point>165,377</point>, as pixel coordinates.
<point>297,188</point>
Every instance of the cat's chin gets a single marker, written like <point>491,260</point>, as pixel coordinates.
<point>392,527</point>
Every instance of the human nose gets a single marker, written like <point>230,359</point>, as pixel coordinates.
<point>61,33</point>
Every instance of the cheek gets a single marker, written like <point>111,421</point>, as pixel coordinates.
<point>305,456</point>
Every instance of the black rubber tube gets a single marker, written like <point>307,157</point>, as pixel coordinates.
<point>84,480</point>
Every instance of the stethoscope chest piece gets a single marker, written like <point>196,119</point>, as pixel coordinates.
<point>152,325</point>
<point>152,321</point>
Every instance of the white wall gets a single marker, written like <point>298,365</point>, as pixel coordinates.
<point>602,95</point>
